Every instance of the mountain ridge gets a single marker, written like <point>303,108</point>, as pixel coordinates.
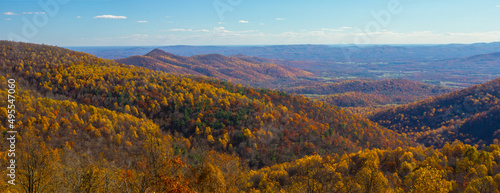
<point>261,126</point>
<point>441,119</point>
<point>217,66</point>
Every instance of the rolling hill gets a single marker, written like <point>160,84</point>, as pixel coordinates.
<point>478,63</point>
<point>193,114</point>
<point>369,93</point>
<point>491,57</point>
<point>470,115</point>
<point>387,86</point>
<point>258,71</point>
<point>87,124</point>
<point>245,71</point>
<point>357,99</point>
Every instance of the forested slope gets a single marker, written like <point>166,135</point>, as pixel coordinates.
<point>469,115</point>
<point>87,124</point>
<point>84,114</point>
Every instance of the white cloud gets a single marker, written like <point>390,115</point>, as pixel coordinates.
<point>336,30</point>
<point>355,37</point>
<point>186,30</point>
<point>223,32</point>
<point>180,29</point>
<point>31,13</point>
<point>421,37</point>
<point>78,17</point>
<point>242,21</point>
<point>10,13</point>
<point>498,5</point>
<point>8,19</point>
<point>135,36</point>
<point>109,17</point>
<point>142,21</point>
<point>327,29</point>
<point>219,28</point>
<point>280,19</point>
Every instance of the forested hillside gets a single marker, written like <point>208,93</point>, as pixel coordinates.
<point>358,99</point>
<point>87,124</point>
<point>470,115</point>
<point>365,96</point>
<point>272,73</point>
<point>453,168</point>
<point>84,114</point>
<point>386,87</point>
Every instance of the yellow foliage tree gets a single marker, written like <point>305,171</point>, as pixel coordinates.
<point>427,180</point>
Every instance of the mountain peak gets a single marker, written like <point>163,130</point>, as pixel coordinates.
<point>157,51</point>
<point>164,56</point>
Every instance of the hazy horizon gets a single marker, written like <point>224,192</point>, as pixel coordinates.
<point>255,45</point>
<point>75,23</point>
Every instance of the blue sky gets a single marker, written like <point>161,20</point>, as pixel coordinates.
<point>249,22</point>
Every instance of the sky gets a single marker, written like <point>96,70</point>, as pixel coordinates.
<point>248,22</point>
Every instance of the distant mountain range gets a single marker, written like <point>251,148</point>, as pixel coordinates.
<point>369,53</point>
<point>453,65</point>
<point>484,61</point>
<point>330,53</point>
<point>114,52</point>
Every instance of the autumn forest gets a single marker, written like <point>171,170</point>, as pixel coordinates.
<point>161,122</point>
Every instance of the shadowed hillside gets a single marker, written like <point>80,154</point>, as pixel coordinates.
<point>468,115</point>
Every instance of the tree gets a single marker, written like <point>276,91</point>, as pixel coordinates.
<point>485,184</point>
<point>37,164</point>
<point>211,179</point>
<point>427,180</point>
<point>370,177</point>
